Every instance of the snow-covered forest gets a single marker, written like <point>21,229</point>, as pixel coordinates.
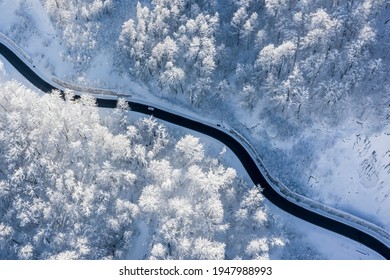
<point>308,60</point>
<point>306,81</point>
<point>79,184</point>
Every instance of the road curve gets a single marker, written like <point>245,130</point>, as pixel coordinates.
<point>240,151</point>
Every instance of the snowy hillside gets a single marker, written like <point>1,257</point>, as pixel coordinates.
<point>79,183</point>
<point>306,81</point>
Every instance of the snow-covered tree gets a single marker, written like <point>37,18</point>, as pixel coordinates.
<point>189,150</point>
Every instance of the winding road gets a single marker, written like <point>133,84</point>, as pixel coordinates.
<point>258,176</point>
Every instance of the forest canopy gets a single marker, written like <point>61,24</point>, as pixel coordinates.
<point>79,183</point>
